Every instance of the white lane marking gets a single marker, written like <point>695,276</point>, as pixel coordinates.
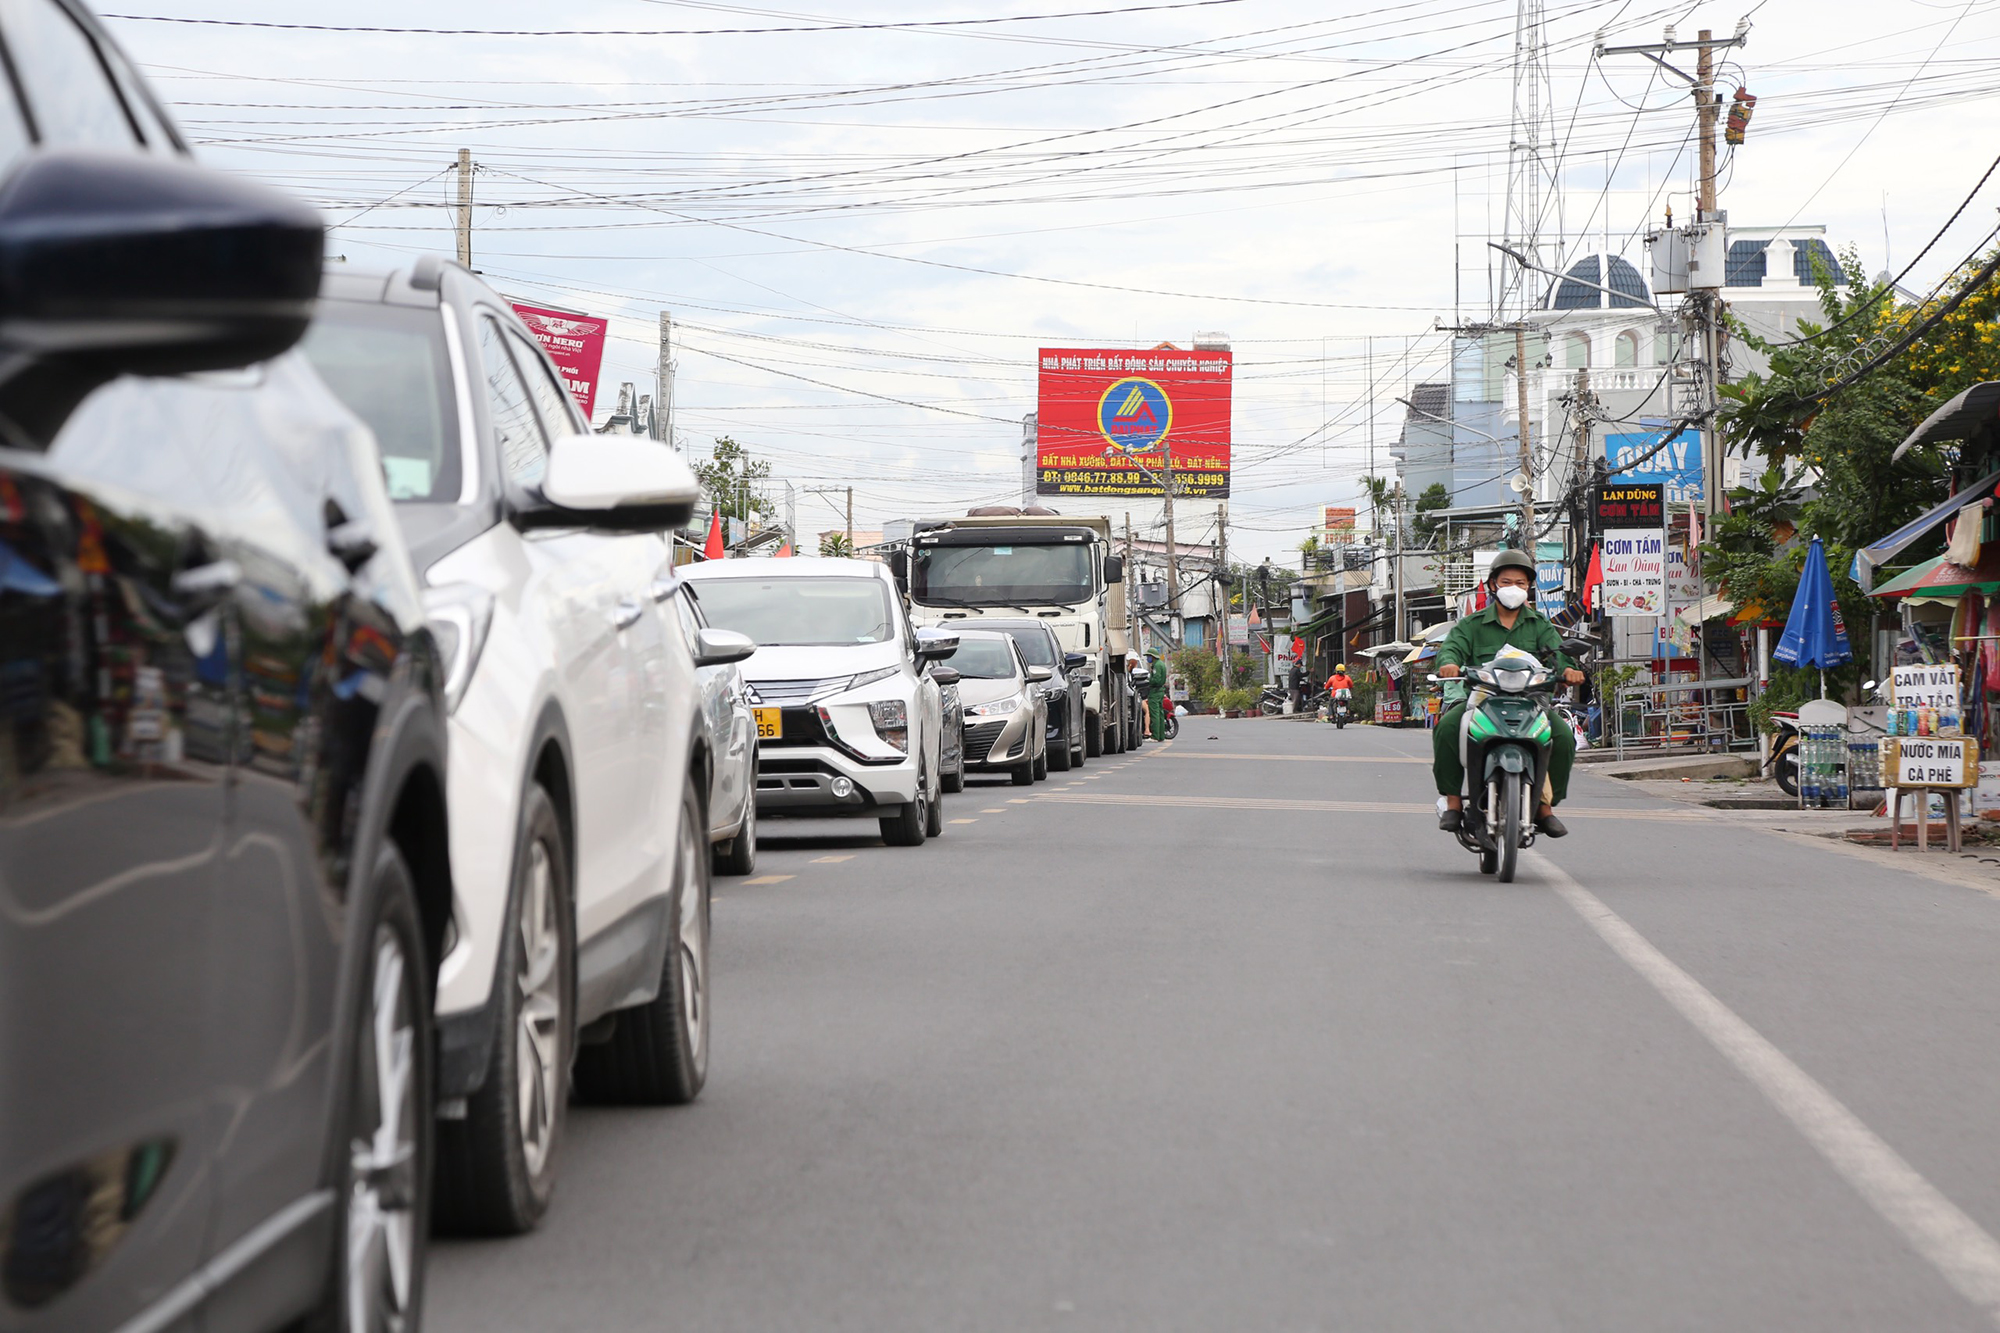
<point>1935,1227</point>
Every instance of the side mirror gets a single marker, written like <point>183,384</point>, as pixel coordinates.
<point>1114,569</point>
<point>899,566</point>
<point>117,263</point>
<point>1075,661</point>
<point>938,648</point>
<point>945,675</point>
<point>613,485</point>
<point>1039,673</point>
<point>719,647</point>
<point>1870,685</point>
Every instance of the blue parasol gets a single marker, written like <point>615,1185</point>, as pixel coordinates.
<point>1815,635</point>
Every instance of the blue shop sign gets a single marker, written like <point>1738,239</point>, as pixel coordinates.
<point>1676,467</point>
<point>1549,577</point>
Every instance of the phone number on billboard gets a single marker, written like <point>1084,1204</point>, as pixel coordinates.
<point>1085,481</point>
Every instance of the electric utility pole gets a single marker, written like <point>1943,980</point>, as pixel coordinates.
<point>1396,570</point>
<point>464,227</point>
<point>1173,552</point>
<point>1527,449</point>
<point>1222,579</point>
<point>663,382</point>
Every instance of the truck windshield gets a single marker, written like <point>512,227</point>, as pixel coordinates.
<point>801,612</point>
<point>1003,575</point>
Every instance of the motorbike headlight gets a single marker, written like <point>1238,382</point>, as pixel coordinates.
<point>998,708</point>
<point>1512,681</point>
<point>459,614</point>
<point>892,722</point>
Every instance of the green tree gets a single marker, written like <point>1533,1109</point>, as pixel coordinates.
<point>835,544</point>
<point>1435,496</point>
<point>730,477</point>
<point>1830,471</point>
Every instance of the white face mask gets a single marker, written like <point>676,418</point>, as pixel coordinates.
<point>1512,596</point>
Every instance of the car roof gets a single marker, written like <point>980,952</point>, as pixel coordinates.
<point>1008,626</point>
<point>983,634</point>
<point>791,567</point>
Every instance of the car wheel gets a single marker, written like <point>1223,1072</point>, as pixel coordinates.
<point>496,1167</point>
<point>385,1151</point>
<point>1093,738</point>
<point>657,1054</point>
<point>954,781</point>
<point>1059,758</point>
<point>738,856</point>
<point>1041,765</point>
<point>910,825</point>
<point>1023,773</point>
<point>934,813</point>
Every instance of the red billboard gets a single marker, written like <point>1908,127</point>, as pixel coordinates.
<point>574,342</point>
<point>1104,412</point>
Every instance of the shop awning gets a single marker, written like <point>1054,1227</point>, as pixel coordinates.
<point>1938,577</point>
<point>1707,609</point>
<point>1960,419</point>
<point>1884,549</point>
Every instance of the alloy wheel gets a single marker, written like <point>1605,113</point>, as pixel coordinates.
<point>381,1216</point>
<point>691,944</point>
<point>538,1035</point>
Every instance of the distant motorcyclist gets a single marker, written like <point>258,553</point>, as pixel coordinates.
<point>1507,620</point>
<point>1340,685</point>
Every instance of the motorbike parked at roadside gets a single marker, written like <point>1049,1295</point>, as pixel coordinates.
<point>1505,740</point>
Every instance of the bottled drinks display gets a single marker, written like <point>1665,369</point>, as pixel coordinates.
<point>1829,765</point>
<point>1924,720</point>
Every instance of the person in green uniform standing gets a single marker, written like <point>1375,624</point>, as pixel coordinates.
<point>1156,697</point>
<point>1507,620</point>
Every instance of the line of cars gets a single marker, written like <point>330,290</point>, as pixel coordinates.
<point>364,758</point>
<point>363,763</point>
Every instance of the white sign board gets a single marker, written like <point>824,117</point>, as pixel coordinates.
<point>1635,572</point>
<point>1682,585</point>
<point>1924,687</point>
<point>1933,761</point>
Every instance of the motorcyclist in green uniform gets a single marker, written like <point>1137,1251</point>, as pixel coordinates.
<point>1156,697</point>
<point>1473,641</point>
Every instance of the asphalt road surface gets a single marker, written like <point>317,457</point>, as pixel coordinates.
<point>1225,1035</point>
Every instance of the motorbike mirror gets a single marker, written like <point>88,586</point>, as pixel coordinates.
<point>1871,685</point>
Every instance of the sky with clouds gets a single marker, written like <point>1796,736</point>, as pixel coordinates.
<point>868,216</point>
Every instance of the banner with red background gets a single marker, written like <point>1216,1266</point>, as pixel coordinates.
<point>575,343</point>
<point>1095,401</point>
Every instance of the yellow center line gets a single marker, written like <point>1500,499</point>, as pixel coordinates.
<point>829,860</point>
<point>962,821</point>
<point>996,810</point>
<point>1306,758</point>
<point>770,879</point>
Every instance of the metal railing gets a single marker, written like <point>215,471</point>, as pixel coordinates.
<point>1705,715</point>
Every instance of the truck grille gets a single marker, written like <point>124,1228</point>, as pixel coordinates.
<point>979,738</point>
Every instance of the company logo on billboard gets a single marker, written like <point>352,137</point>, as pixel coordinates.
<point>1135,415</point>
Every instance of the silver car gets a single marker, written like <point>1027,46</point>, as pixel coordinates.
<point>1004,705</point>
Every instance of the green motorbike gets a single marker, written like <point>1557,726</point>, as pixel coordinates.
<point>1504,742</point>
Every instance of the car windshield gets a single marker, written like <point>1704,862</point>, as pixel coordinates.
<point>1034,646</point>
<point>998,575</point>
<point>799,612</point>
<point>388,365</point>
<point>983,659</point>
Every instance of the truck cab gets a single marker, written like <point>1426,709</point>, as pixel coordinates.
<point>1055,568</point>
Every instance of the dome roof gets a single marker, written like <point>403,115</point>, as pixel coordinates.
<point>1572,294</point>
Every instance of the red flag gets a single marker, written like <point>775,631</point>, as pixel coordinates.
<point>1594,579</point>
<point>712,549</point>
<point>784,551</point>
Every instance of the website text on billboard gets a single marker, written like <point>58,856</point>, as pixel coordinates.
<point>574,342</point>
<point>1097,404</point>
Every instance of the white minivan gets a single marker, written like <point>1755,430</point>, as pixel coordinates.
<point>578,771</point>
<point>848,722</point>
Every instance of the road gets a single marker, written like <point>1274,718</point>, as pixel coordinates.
<point>1225,1035</point>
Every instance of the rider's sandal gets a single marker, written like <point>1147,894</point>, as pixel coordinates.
<point>1551,827</point>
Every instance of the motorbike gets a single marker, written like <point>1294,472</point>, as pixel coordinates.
<point>1343,709</point>
<point>1785,752</point>
<point>1173,718</point>
<point>1508,732</point>
<point>1272,701</point>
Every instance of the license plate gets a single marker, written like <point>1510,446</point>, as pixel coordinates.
<point>770,723</point>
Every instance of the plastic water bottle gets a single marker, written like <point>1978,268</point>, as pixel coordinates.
<point>1809,764</point>
<point>1844,771</point>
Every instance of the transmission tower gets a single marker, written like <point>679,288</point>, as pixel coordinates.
<point>1534,185</point>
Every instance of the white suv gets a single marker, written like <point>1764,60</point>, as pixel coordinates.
<point>848,723</point>
<point>577,772</point>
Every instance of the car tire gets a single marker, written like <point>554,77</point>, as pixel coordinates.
<point>934,814</point>
<point>1059,758</point>
<point>910,825</point>
<point>385,1144</point>
<point>954,781</point>
<point>738,856</point>
<point>657,1054</point>
<point>1041,765</point>
<point>497,1166</point>
<point>1093,738</point>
